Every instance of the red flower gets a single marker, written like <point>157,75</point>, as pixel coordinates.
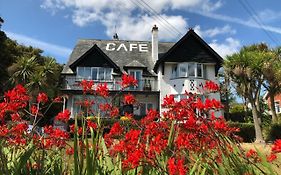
<point>34,110</point>
<point>42,98</point>
<point>87,86</point>
<point>128,80</point>
<point>3,130</point>
<point>251,153</point>
<point>211,86</point>
<point>15,117</point>
<point>69,151</point>
<point>58,99</point>
<point>276,148</point>
<point>114,112</point>
<point>116,129</point>
<point>271,157</point>
<point>92,125</point>
<point>169,101</point>
<point>172,168</point>
<point>102,90</point>
<point>129,99</point>
<point>63,116</point>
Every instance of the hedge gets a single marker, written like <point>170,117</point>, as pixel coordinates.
<point>247,131</point>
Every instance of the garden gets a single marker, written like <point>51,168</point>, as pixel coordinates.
<point>185,139</point>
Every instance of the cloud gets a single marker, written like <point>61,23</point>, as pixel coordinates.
<point>228,47</point>
<point>244,22</point>
<point>227,29</point>
<point>133,18</point>
<point>268,15</point>
<point>49,49</point>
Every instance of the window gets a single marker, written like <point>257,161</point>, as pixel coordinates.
<point>144,107</point>
<point>94,73</point>
<point>187,70</point>
<point>137,74</point>
<point>277,106</point>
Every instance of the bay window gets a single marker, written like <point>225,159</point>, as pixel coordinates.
<point>187,70</point>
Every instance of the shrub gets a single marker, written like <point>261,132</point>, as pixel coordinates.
<point>247,131</point>
<point>273,132</point>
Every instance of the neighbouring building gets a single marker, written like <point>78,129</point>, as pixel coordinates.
<point>161,68</point>
<point>277,102</point>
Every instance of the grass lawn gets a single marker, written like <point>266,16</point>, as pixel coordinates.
<point>264,149</point>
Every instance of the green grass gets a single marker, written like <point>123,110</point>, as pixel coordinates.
<point>264,149</point>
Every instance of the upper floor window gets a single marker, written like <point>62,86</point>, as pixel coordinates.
<point>277,106</point>
<point>187,70</point>
<point>137,74</point>
<point>94,73</point>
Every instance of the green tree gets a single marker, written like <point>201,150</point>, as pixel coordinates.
<point>245,70</point>
<point>272,75</point>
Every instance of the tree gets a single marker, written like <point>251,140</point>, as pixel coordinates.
<point>245,70</point>
<point>272,75</point>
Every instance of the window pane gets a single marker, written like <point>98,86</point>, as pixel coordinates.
<point>277,106</point>
<point>80,72</point>
<point>108,73</point>
<point>175,71</point>
<point>142,109</point>
<point>101,73</point>
<point>87,73</point>
<point>94,73</point>
<point>183,70</point>
<point>149,106</point>
<point>191,69</point>
<point>199,70</point>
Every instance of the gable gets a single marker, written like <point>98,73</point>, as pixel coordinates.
<point>191,48</point>
<point>94,57</point>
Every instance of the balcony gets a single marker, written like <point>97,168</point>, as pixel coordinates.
<point>146,84</point>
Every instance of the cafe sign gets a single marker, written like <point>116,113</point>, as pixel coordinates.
<point>142,47</point>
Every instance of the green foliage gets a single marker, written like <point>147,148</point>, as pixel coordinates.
<point>247,131</point>
<point>273,132</point>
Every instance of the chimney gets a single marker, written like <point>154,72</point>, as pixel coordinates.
<point>154,43</point>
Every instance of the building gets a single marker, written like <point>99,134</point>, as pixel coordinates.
<point>161,68</point>
<point>277,102</point>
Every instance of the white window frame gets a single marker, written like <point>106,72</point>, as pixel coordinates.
<point>134,75</point>
<point>277,107</point>
<point>184,65</point>
<point>146,107</point>
<point>98,73</point>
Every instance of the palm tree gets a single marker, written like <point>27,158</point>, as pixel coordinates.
<point>22,70</point>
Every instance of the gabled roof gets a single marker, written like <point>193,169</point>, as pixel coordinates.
<point>121,57</point>
<point>191,48</point>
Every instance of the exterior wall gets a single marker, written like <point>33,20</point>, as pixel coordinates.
<point>175,86</point>
<point>277,98</point>
<point>153,99</point>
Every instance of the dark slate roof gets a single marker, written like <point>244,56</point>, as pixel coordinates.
<point>121,58</point>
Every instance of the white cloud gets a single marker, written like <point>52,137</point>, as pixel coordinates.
<point>228,47</point>
<point>52,49</point>
<point>248,23</point>
<point>268,15</point>
<point>227,29</point>
<point>122,13</point>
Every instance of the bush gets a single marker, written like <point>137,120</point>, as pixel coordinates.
<point>273,132</point>
<point>247,131</point>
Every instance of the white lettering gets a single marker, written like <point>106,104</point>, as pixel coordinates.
<point>143,48</point>
<point>133,46</point>
<point>122,46</point>
<point>108,46</point>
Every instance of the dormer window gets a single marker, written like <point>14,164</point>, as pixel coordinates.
<point>94,73</point>
<point>181,70</point>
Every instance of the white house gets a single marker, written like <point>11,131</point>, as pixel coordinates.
<point>161,68</point>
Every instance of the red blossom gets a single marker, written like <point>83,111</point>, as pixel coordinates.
<point>3,131</point>
<point>15,117</point>
<point>92,125</point>
<point>114,112</point>
<point>128,80</point>
<point>276,147</point>
<point>42,98</point>
<point>271,157</point>
<point>129,99</point>
<point>87,86</point>
<point>69,151</point>
<point>211,86</point>
<point>102,90</point>
<point>251,153</point>
<point>34,109</point>
<point>63,116</point>
<point>168,101</point>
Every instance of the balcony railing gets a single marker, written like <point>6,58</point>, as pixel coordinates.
<point>146,84</point>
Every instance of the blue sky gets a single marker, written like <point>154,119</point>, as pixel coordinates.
<point>56,25</point>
